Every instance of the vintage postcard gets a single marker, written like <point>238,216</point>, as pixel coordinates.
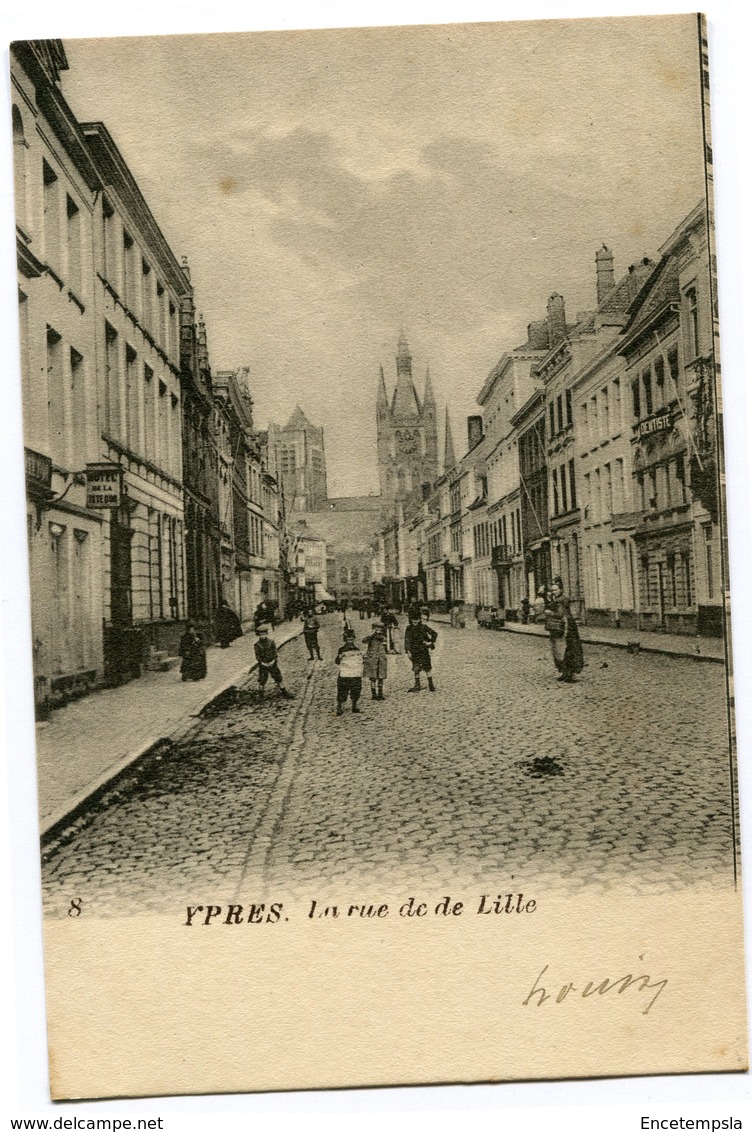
<point>377,545</point>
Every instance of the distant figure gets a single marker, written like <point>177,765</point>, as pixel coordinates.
<point>350,678</point>
<point>425,611</point>
<point>391,624</point>
<point>311,634</point>
<point>193,652</point>
<point>228,625</point>
<point>525,610</point>
<point>375,663</point>
<point>566,647</point>
<point>265,614</point>
<point>539,606</point>
<point>268,663</point>
<point>420,640</point>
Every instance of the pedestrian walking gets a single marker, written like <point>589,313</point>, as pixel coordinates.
<point>566,647</point>
<point>420,640</point>
<point>193,653</point>
<point>525,610</point>
<point>227,624</point>
<point>311,628</point>
<point>350,677</point>
<point>375,662</point>
<point>391,625</point>
<point>268,662</point>
<point>539,606</point>
<point>265,614</point>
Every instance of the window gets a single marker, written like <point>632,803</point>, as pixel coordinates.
<point>51,215</point>
<point>161,319</point>
<point>687,578</point>
<point>552,419</point>
<point>645,570</point>
<point>112,382</point>
<point>707,531</point>
<point>23,320</point>
<point>673,365</point>
<point>607,487</point>
<point>619,501</point>
<point>572,492</point>
<point>604,412</point>
<point>343,576</point>
<point>681,479</point>
<point>616,399</point>
<point>693,323</point>
<point>131,430</point>
<point>73,217</point>
<point>20,146</point>
<point>563,482</point>
<point>56,397</point>
<point>149,410</point>
<point>129,279</point>
<point>146,295</point>
<point>569,406</point>
<point>555,490</point>
<point>647,386</point>
<point>78,405</point>
<point>660,383</point>
<point>672,580</point>
<point>109,251</point>
<point>163,450</point>
<point>560,413</point>
<point>636,399</point>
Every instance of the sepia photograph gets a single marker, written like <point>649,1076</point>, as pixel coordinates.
<point>359,365</point>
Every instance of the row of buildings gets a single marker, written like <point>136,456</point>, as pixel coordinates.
<point>151,495</point>
<point>596,456</point>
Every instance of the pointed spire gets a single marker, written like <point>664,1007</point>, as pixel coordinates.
<point>450,459</point>
<point>428,398</point>
<point>405,401</point>
<point>185,267</point>
<point>381,397</point>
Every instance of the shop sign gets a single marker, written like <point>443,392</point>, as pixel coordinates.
<point>662,423</point>
<point>104,485</point>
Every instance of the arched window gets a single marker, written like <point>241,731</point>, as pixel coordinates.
<point>19,166</point>
<point>343,575</point>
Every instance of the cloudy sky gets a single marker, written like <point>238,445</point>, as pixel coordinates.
<point>330,188</point>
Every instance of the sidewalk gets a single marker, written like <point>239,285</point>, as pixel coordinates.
<point>85,743</point>
<point>669,644</point>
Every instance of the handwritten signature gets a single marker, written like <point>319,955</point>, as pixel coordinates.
<point>620,985</point>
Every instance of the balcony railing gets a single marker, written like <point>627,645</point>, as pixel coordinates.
<point>501,555</point>
<point>38,474</point>
<point>626,520</point>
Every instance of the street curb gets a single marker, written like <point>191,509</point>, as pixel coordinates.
<point>655,650</point>
<point>53,826</point>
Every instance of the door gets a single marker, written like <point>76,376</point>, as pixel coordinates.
<point>120,572</point>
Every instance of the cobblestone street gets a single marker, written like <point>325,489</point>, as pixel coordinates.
<point>502,773</point>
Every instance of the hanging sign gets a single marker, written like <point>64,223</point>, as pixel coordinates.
<point>104,485</point>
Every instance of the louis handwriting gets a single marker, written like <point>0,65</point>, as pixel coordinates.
<point>620,985</point>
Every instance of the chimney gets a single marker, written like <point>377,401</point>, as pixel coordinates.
<point>557,322</point>
<point>474,431</point>
<point>604,272</point>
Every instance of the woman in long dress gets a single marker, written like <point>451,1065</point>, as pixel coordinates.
<point>193,652</point>
<point>566,647</point>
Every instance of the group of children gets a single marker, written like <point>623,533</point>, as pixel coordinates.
<point>353,665</point>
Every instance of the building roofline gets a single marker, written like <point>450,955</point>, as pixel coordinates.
<point>114,171</point>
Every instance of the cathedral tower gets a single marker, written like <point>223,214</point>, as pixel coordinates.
<point>407,434</point>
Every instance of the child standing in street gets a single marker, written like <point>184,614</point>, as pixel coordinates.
<point>375,663</point>
<point>268,664</point>
<point>419,642</point>
<point>311,634</point>
<point>350,678</point>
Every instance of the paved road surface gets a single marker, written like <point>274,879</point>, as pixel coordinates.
<point>502,773</point>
